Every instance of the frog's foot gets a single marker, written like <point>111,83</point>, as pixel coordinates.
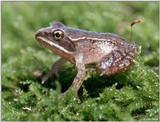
<point>44,79</point>
<point>49,74</point>
<point>41,75</point>
<point>56,67</point>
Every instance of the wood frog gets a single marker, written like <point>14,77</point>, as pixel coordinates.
<point>109,52</point>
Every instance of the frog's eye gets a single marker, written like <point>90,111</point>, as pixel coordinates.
<point>58,34</point>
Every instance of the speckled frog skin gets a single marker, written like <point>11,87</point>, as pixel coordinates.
<point>111,53</point>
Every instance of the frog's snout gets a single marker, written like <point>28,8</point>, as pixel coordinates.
<point>37,34</point>
<point>40,33</point>
<point>44,32</point>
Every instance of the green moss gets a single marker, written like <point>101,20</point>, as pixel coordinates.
<point>132,95</point>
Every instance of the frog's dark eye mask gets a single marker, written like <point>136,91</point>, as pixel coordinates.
<point>58,34</point>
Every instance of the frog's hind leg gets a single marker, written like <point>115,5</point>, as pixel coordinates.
<point>117,61</point>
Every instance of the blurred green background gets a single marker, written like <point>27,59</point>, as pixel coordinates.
<point>132,95</point>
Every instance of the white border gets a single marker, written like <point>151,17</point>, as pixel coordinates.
<point>1,1</point>
<point>82,0</point>
<point>0,63</point>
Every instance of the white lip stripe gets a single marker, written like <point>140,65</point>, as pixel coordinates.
<point>53,44</point>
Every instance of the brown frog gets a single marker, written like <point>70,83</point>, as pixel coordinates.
<point>111,53</point>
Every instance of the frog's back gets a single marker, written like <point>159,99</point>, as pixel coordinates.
<point>114,53</point>
<point>110,38</point>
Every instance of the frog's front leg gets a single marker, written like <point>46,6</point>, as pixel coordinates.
<point>54,69</point>
<point>81,72</point>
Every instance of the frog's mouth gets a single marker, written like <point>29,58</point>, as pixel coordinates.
<point>51,45</point>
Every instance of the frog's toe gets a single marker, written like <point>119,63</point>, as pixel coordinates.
<point>43,81</point>
<point>48,75</point>
<point>44,78</point>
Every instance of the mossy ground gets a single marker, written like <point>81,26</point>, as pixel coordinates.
<point>132,95</point>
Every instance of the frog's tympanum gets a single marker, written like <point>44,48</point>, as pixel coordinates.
<point>110,53</point>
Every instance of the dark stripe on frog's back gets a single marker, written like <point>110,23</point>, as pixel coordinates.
<point>111,38</point>
<point>114,39</point>
<point>77,33</point>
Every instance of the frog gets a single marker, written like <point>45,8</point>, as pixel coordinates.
<point>110,53</point>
